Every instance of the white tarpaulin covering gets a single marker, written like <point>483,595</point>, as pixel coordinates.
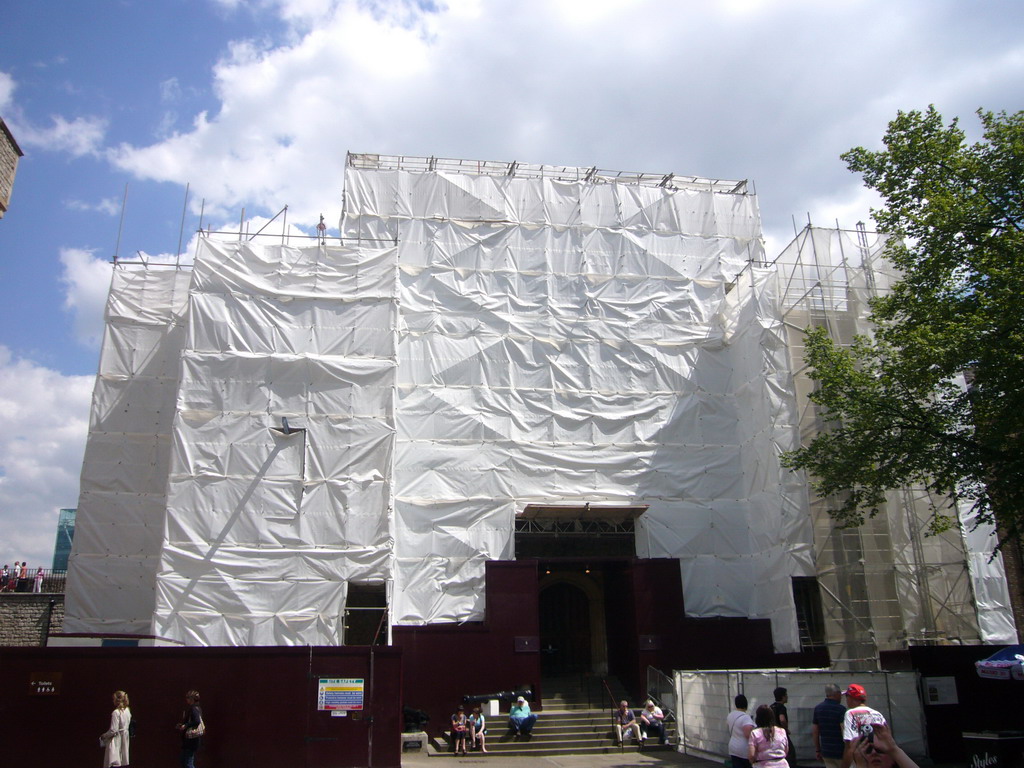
<point>705,699</point>
<point>567,342</point>
<point>379,413</point>
<point>120,520</point>
<point>279,490</point>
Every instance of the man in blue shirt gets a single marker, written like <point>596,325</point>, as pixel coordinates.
<point>520,719</point>
<point>827,727</point>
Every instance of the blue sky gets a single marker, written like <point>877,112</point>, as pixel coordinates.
<point>253,104</point>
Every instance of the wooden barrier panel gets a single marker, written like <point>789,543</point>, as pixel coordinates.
<point>260,704</point>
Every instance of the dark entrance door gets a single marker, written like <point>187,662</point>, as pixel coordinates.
<point>565,627</point>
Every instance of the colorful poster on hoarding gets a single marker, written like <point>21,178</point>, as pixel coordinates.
<point>343,694</point>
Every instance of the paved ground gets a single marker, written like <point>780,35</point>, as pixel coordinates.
<point>625,760</point>
<point>418,759</point>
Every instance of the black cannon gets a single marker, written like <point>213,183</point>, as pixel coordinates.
<point>526,692</point>
<point>414,719</point>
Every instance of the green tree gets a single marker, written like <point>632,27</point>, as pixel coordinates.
<point>894,405</point>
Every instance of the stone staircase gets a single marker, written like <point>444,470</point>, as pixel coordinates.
<point>572,723</point>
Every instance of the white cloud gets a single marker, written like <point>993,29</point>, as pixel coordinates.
<point>44,416</point>
<point>170,90</point>
<point>772,91</point>
<point>844,207</point>
<point>7,87</point>
<point>86,280</point>
<point>80,136</point>
<point>111,206</point>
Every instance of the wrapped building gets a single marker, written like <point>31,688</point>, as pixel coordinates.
<point>532,411</point>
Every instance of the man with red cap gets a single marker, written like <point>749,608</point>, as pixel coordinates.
<point>859,721</point>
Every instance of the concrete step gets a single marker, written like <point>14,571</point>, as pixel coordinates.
<point>564,727</point>
<point>569,705</point>
<point>549,736</point>
<point>552,750</point>
<point>553,739</point>
<point>579,717</point>
<point>554,722</point>
<point>591,726</point>
<point>575,734</point>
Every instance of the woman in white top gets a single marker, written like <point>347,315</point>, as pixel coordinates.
<point>115,740</point>
<point>740,725</point>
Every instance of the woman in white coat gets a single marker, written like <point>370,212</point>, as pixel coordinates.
<point>115,740</point>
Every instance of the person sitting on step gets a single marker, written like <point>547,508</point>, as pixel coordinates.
<point>460,730</point>
<point>520,719</point>
<point>652,721</point>
<point>625,719</point>
<point>477,730</point>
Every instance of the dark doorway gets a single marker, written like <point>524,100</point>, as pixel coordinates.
<point>366,615</point>
<point>564,629</point>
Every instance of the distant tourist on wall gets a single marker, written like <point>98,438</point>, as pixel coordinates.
<point>12,580</point>
<point>5,575</point>
<point>115,740</point>
<point>37,585</point>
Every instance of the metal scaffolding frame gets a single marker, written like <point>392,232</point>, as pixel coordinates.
<point>885,585</point>
<point>366,161</point>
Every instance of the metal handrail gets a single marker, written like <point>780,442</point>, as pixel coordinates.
<point>654,692</point>
<point>615,704</point>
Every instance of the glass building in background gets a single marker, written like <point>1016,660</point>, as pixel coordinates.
<point>65,535</point>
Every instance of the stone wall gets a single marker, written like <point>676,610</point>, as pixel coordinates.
<point>23,617</point>
<point>9,154</point>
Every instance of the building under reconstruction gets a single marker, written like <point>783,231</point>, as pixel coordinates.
<point>525,416</point>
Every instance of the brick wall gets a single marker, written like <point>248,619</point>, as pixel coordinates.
<point>9,154</point>
<point>23,617</point>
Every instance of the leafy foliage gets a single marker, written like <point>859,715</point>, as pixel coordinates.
<point>895,405</point>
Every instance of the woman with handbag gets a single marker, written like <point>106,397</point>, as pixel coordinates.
<point>192,729</point>
<point>460,729</point>
<point>115,739</point>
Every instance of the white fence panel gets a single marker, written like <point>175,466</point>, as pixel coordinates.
<point>706,698</point>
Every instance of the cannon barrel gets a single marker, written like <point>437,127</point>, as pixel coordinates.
<point>526,693</point>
